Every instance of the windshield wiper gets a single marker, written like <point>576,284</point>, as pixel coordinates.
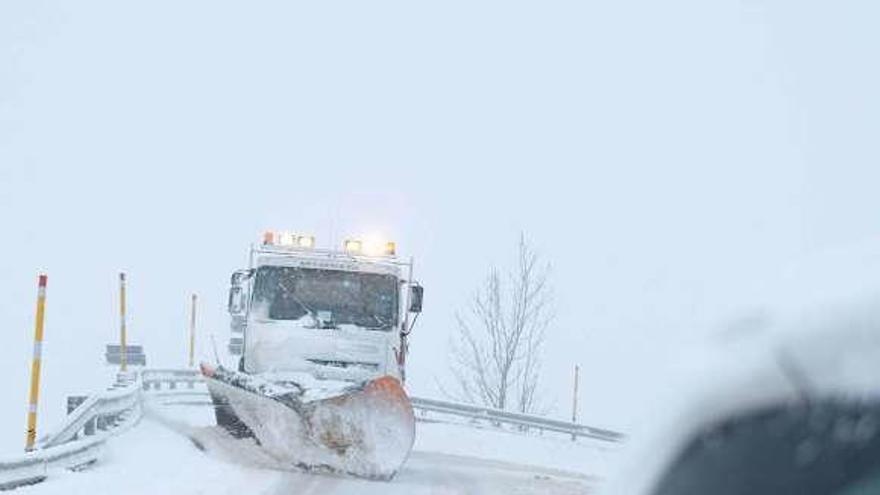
<point>312,313</point>
<point>382,322</point>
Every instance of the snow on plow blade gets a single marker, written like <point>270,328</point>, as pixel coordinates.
<point>365,430</point>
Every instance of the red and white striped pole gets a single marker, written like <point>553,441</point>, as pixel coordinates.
<point>34,400</point>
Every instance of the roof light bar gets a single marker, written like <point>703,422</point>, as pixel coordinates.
<point>288,239</point>
<point>360,247</point>
<point>306,241</point>
<point>370,247</point>
<point>353,246</point>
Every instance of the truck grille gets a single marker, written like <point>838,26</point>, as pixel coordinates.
<point>346,364</point>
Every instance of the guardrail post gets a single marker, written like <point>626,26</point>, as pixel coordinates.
<point>31,434</point>
<point>73,401</point>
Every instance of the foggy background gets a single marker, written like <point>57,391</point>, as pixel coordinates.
<point>664,157</point>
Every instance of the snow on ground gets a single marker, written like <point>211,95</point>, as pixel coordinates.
<point>550,450</point>
<point>554,450</point>
<point>152,459</point>
<point>158,456</point>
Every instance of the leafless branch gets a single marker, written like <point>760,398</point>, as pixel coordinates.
<point>496,356</point>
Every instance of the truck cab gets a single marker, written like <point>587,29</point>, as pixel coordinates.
<point>330,314</point>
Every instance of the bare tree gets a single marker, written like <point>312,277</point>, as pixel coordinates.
<point>496,356</point>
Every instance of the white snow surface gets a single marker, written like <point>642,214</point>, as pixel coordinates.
<point>158,456</point>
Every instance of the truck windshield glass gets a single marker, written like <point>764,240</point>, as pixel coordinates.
<point>363,299</point>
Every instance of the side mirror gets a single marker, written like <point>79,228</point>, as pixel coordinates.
<point>236,301</point>
<point>237,294</point>
<point>416,295</point>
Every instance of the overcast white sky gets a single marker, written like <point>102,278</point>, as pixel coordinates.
<point>663,156</point>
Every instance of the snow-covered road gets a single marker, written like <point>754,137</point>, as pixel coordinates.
<point>160,456</point>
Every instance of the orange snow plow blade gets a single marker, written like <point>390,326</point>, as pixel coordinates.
<point>370,432</point>
<point>365,430</point>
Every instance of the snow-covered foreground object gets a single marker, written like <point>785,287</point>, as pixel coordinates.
<point>364,430</point>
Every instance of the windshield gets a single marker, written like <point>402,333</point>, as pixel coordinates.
<point>817,449</point>
<point>363,299</point>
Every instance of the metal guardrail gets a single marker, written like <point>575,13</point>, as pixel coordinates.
<point>155,380</point>
<point>495,416</point>
<point>79,440</point>
<point>99,412</point>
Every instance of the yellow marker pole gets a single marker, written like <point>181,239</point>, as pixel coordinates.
<point>574,402</point>
<point>123,345</point>
<point>192,332</point>
<point>36,366</point>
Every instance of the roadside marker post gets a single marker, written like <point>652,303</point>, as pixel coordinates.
<point>192,332</point>
<point>123,344</point>
<point>574,402</point>
<point>36,365</point>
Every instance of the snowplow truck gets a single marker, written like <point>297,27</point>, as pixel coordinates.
<point>320,338</point>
